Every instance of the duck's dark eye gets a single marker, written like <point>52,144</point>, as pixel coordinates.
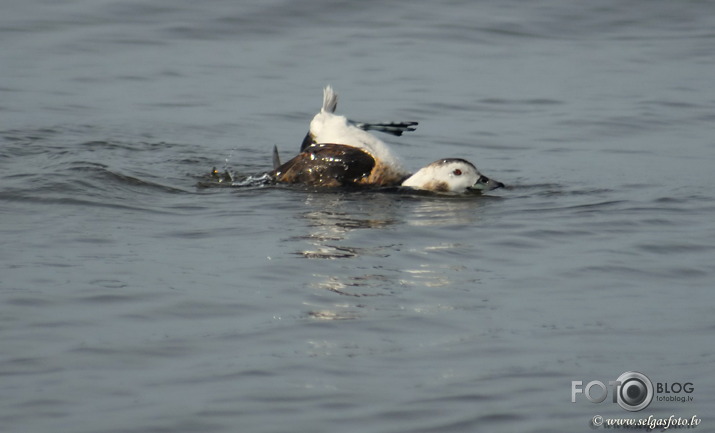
<point>457,172</point>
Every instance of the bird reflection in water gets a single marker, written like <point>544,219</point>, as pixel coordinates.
<point>330,223</point>
<point>447,211</point>
<point>333,222</point>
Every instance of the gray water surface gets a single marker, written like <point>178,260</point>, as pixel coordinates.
<point>132,300</point>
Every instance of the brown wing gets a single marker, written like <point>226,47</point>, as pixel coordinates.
<point>327,165</point>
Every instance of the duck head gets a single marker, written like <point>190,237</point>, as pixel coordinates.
<point>451,175</point>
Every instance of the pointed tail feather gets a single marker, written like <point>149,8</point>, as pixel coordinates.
<point>276,158</point>
<point>330,99</point>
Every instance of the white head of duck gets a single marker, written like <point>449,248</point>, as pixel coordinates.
<point>454,175</point>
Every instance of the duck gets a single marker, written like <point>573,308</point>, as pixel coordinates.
<point>338,152</point>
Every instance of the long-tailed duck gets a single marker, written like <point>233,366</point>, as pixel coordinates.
<point>338,152</point>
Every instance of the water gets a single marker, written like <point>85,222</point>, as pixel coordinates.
<point>133,301</point>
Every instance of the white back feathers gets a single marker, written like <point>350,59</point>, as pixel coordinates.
<point>328,127</point>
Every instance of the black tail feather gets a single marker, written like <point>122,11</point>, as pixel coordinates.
<point>307,141</point>
<point>394,128</point>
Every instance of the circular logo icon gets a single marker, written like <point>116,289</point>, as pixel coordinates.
<point>635,391</point>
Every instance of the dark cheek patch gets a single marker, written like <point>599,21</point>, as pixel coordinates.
<point>436,186</point>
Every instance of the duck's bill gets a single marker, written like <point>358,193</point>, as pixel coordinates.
<point>485,184</point>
